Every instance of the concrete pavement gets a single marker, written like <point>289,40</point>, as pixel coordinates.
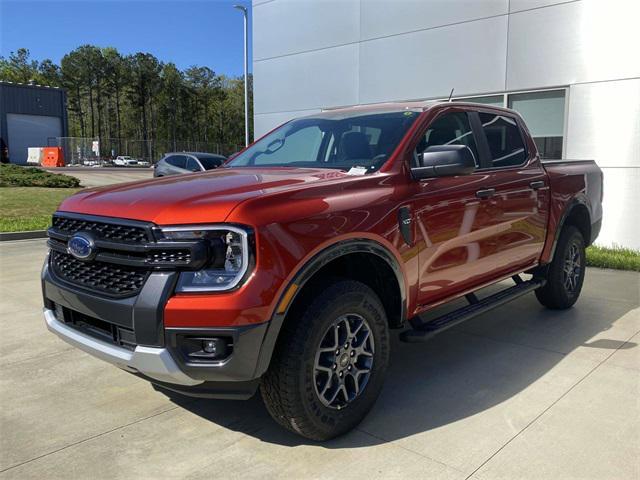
<point>521,392</point>
<point>98,177</point>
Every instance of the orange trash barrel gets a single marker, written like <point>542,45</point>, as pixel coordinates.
<point>52,157</point>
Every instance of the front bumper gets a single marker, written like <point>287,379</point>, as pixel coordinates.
<point>155,363</point>
<point>156,354</point>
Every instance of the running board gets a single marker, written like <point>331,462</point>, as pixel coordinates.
<point>423,331</point>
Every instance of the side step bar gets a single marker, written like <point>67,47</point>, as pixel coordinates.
<point>423,331</point>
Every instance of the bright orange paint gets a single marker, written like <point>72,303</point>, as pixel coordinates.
<point>460,242</point>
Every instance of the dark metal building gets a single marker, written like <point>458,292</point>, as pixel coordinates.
<point>29,116</point>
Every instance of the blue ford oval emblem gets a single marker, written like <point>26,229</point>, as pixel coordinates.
<point>81,246</point>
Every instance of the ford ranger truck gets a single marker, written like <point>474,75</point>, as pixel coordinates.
<point>286,269</point>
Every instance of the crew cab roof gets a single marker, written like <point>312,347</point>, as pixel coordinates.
<point>416,106</point>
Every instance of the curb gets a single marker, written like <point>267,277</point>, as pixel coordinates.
<point>7,236</point>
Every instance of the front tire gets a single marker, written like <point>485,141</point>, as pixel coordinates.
<point>565,274</point>
<point>330,363</point>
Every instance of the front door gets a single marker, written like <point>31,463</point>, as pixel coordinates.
<point>456,225</point>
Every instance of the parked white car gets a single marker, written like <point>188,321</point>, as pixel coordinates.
<point>127,161</point>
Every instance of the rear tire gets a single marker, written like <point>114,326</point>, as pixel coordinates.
<point>337,344</point>
<point>565,274</point>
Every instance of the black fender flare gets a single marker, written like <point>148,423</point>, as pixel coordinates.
<point>571,205</point>
<point>308,270</point>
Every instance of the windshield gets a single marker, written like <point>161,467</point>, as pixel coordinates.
<point>361,140</point>
<point>209,163</point>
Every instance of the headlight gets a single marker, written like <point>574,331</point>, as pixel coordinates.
<point>230,256</point>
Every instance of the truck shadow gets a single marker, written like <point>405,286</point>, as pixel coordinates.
<point>514,358</point>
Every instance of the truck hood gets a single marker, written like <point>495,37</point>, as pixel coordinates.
<point>192,198</point>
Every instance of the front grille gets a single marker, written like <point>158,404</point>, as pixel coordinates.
<point>107,278</point>
<point>169,256</point>
<point>102,230</point>
<point>124,253</point>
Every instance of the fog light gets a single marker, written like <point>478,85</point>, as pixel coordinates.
<point>204,349</point>
<point>210,346</point>
<point>207,349</point>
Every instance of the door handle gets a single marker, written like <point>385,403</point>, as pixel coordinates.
<point>536,184</point>
<point>486,193</point>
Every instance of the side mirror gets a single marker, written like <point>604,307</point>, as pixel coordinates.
<point>444,161</point>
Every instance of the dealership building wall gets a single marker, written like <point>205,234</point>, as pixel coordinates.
<point>572,69</point>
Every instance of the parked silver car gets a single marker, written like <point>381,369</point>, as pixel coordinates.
<point>187,162</point>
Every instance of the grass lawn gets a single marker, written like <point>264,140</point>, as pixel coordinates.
<point>616,257</point>
<point>29,208</point>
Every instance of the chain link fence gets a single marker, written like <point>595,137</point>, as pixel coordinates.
<point>95,152</point>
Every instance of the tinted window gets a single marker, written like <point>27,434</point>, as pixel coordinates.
<point>333,140</point>
<point>192,165</point>
<point>176,161</point>
<point>301,145</point>
<point>209,163</point>
<point>450,129</point>
<point>504,139</point>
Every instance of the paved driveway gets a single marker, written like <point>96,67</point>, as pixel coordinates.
<point>518,393</point>
<point>98,177</point>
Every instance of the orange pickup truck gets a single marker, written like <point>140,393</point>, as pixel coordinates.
<point>287,268</point>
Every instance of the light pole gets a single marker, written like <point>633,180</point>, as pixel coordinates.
<point>246,72</point>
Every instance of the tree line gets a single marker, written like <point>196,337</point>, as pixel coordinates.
<point>137,96</point>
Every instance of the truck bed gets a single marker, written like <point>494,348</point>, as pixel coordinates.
<point>573,182</point>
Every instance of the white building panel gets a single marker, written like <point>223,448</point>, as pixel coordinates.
<point>519,5</point>
<point>620,224</point>
<point>315,54</point>
<point>586,41</point>
<point>290,26</point>
<point>604,123</point>
<point>307,80</point>
<point>469,57</point>
<point>383,18</point>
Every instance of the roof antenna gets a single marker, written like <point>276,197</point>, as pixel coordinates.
<point>450,95</point>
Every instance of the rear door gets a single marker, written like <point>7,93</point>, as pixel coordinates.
<point>516,187</point>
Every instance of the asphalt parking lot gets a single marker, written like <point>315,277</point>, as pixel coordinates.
<point>98,177</point>
<point>520,392</point>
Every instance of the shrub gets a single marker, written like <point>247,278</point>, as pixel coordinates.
<point>18,176</point>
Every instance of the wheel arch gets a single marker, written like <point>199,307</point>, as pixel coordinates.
<point>577,214</point>
<point>342,254</point>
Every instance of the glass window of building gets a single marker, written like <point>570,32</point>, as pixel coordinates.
<point>544,114</point>
<point>494,100</point>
